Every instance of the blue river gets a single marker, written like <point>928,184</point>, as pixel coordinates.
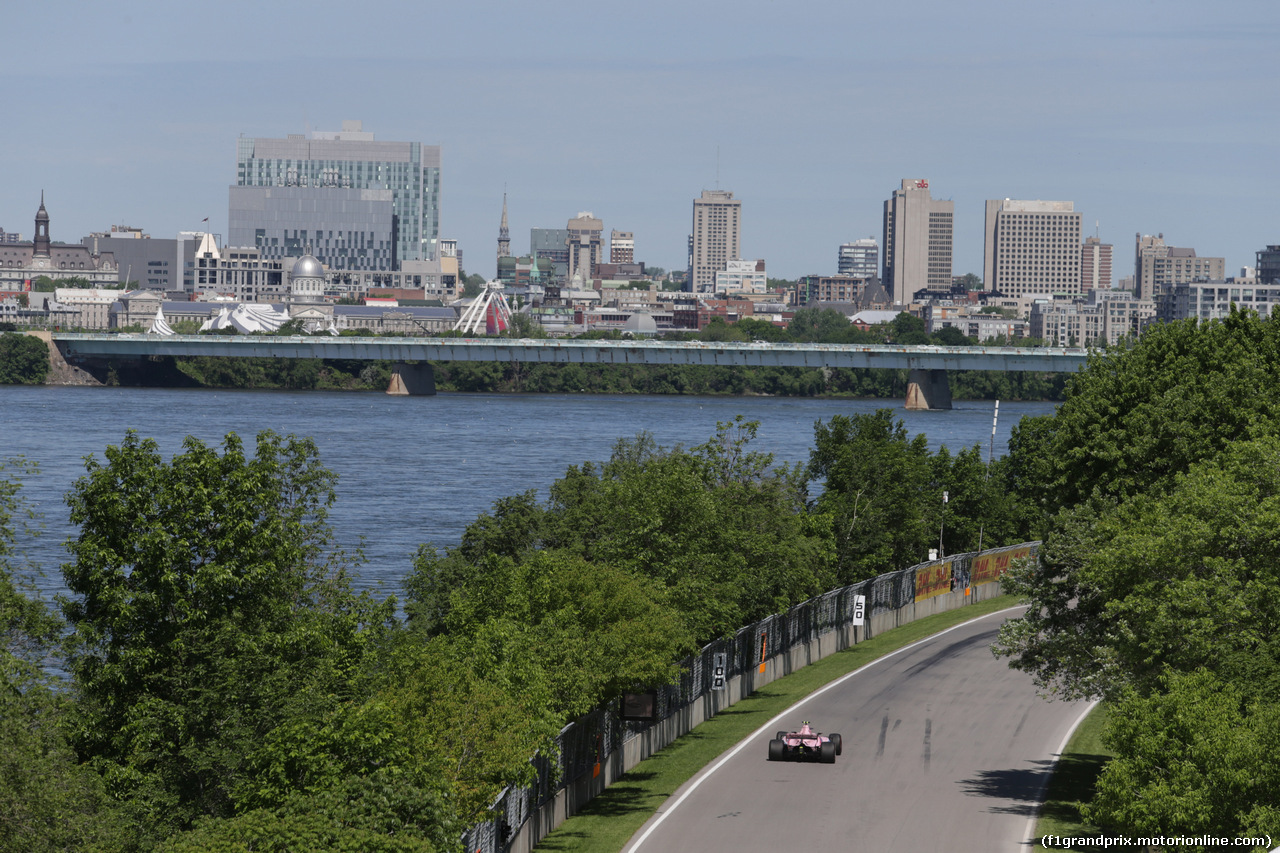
<point>415,470</point>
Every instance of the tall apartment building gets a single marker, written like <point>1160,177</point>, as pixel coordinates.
<point>918,233</point>
<point>1157,266</point>
<point>622,247</point>
<point>362,204</point>
<point>860,259</point>
<point>1268,265</point>
<point>584,242</point>
<point>1031,247</point>
<point>716,238</point>
<point>1095,264</point>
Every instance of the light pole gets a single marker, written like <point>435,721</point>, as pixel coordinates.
<point>942,523</point>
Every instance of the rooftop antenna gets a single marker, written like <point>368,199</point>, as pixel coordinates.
<point>1096,232</point>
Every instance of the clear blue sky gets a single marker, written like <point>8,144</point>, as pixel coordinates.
<point>1150,116</point>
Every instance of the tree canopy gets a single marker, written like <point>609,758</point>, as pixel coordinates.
<point>1158,487</point>
<point>206,596</point>
<point>24,359</point>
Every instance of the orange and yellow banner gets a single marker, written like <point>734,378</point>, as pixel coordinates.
<point>990,567</point>
<point>933,580</point>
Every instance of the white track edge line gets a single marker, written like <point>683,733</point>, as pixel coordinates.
<point>1029,832</point>
<point>705,773</point>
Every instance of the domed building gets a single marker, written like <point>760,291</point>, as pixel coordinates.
<point>306,294</point>
<point>306,280</point>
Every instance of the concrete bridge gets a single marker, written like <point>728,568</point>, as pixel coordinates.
<point>928,365</point>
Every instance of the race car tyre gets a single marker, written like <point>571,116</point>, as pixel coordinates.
<point>838,742</point>
<point>828,755</point>
<point>777,749</point>
<point>781,735</point>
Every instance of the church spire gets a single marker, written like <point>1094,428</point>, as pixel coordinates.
<point>504,234</point>
<point>41,244</point>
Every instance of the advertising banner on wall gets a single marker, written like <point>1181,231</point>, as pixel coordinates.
<point>933,580</point>
<point>990,567</point>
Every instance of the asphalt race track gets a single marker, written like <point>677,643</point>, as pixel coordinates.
<point>945,748</point>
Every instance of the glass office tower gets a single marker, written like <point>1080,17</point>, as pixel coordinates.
<point>368,204</point>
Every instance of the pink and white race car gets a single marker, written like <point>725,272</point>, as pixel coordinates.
<point>805,745</point>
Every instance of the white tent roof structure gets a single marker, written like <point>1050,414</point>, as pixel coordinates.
<point>247,318</point>
<point>159,326</point>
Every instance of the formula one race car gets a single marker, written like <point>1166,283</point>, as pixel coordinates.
<point>805,745</point>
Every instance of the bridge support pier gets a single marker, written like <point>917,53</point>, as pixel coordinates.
<point>412,380</point>
<point>928,389</point>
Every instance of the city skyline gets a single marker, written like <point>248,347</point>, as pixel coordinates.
<point>1151,120</point>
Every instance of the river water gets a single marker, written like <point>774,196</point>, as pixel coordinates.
<point>414,470</point>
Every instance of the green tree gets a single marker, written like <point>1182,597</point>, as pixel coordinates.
<point>719,330</point>
<point>1144,411</point>
<point>950,336</point>
<point>970,281</point>
<point>908,330</point>
<point>721,531</point>
<point>468,715</point>
<point>1178,580</point>
<point>207,596</point>
<point>525,326</point>
<point>762,330</point>
<point>385,812</point>
<point>822,325</point>
<point>50,802</point>
<point>878,491</point>
<point>589,630</point>
<point>1195,757</point>
<point>24,359</point>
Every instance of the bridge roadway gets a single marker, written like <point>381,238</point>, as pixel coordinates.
<point>945,748</point>
<point>1037,359</point>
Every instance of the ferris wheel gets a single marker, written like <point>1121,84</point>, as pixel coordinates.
<point>489,308</point>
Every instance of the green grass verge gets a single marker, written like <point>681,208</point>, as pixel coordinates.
<point>607,823</point>
<point>1073,781</point>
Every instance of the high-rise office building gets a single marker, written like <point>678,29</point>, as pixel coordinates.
<point>860,259</point>
<point>622,247</point>
<point>716,238</point>
<point>551,244</point>
<point>1157,266</point>
<point>918,232</point>
<point>363,204</point>
<point>1031,247</point>
<point>344,228</point>
<point>1095,264</point>
<point>584,242</point>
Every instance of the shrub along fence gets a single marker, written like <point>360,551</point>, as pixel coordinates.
<point>597,749</point>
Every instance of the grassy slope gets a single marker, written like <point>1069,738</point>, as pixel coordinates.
<point>607,823</point>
